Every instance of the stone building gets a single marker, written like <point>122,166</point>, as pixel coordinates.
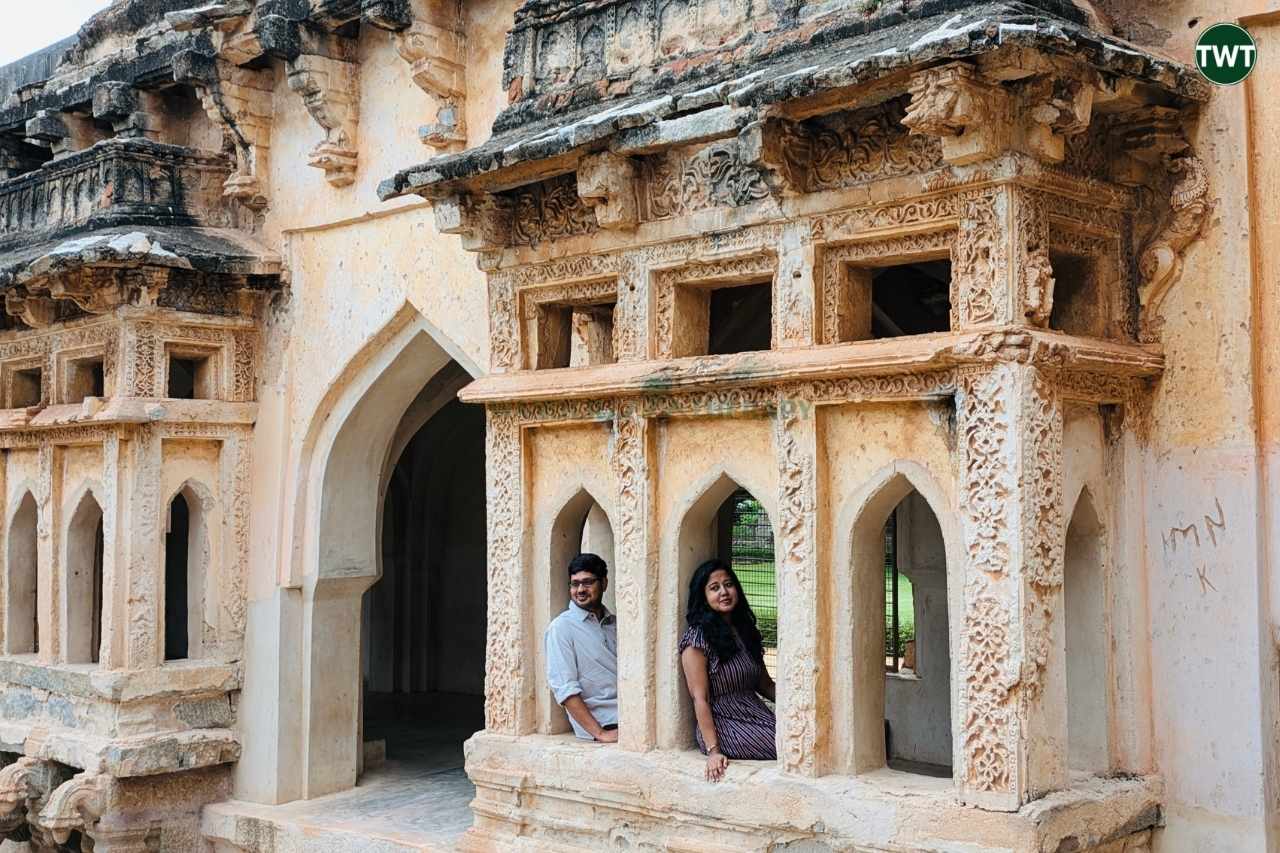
<point>333,328</point>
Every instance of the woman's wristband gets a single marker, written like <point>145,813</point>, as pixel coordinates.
<point>714,750</point>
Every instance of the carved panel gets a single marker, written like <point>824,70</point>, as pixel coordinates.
<point>846,225</point>
<point>506,692</point>
<point>683,180</point>
<point>850,148</point>
<point>796,449</point>
<point>979,264</point>
<point>548,211</point>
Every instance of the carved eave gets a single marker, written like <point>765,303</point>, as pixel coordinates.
<point>1050,75</point>
<point>911,360</point>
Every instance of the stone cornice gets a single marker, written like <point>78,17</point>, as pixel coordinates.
<point>887,359</point>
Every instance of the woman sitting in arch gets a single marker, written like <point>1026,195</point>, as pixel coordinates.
<point>723,659</point>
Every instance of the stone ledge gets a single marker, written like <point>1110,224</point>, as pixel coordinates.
<point>519,781</point>
<point>142,755</point>
<point>130,410</point>
<point>91,682</point>
<point>887,357</point>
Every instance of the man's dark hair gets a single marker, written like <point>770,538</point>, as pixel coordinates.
<point>588,563</point>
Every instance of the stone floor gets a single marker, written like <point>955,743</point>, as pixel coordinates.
<point>418,799</point>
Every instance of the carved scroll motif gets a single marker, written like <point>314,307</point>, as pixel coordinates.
<point>861,146</point>
<point>76,805</point>
<point>683,181</point>
<point>549,211</point>
<point>979,286</point>
<point>795,440</point>
<point>969,115</point>
<point>505,688</point>
<point>1160,264</point>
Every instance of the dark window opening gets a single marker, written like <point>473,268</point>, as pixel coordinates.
<point>1078,307</point>
<point>190,377</point>
<point>27,388</point>
<point>95,628</point>
<point>741,319</point>
<point>86,378</point>
<point>176,545</point>
<point>911,299</point>
<point>573,335</point>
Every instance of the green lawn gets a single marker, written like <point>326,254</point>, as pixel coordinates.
<point>757,577</point>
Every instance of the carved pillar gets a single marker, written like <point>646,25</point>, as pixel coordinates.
<point>509,706</point>
<point>504,324</point>
<point>48,579</point>
<point>1011,686</point>
<point>636,558</point>
<point>115,618</point>
<point>140,555</point>
<point>633,312</point>
<point>234,465</point>
<point>1000,272</point>
<point>799,616</point>
<point>794,294</point>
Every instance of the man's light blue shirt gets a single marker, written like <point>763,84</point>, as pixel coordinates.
<point>582,659</point>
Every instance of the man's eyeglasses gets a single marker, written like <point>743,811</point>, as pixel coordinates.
<point>587,584</point>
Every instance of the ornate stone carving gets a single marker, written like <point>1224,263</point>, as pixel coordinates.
<point>548,211</point>
<point>330,89</point>
<point>1160,263</point>
<point>437,58</point>
<point>846,225</point>
<point>505,684</point>
<point>19,783</point>
<point>504,325</point>
<point>969,115</point>
<point>979,285</point>
<point>685,180</point>
<point>633,466</point>
<point>795,442</point>
<point>1054,108</point>
<point>483,222</point>
<point>76,805</point>
<point>1032,244</point>
<point>608,182</point>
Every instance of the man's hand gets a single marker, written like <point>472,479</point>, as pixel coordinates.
<point>607,736</point>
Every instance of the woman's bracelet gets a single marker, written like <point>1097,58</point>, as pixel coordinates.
<point>714,749</point>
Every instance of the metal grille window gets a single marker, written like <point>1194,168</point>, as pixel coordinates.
<point>752,558</point>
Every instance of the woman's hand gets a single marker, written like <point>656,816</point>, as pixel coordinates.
<point>716,765</point>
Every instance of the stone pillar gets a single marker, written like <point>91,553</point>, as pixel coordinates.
<point>140,554</point>
<point>1011,674</point>
<point>234,466</point>
<point>115,619</point>
<point>1000,271</point>
<point>793,289</point>
<point>799,601</point>
<point>48,578</point>
<point>634,465</point>
<point>509,706</point>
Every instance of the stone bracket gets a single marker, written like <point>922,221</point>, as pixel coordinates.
<point>437,59</point>
<point>329,88</point>
<point>608,182</point>
<point>1053,108</point>
<point>971,116</point>
<point>76,805</point>
<point>483,222</point>
<point>779,149</point>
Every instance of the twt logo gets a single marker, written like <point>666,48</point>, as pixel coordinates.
<point>1225,54</point>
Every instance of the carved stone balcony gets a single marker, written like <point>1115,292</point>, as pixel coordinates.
<point>115,182</point>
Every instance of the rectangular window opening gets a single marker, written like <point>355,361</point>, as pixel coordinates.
<point>1078,304</point>
<point>578,335</point>
<point>190,376</point>
<point>26,388</point>
<point>86,377</point>
<point>740,319</point>
<point>910,299</point>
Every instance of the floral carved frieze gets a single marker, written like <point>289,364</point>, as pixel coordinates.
<point>548,211</point>
<point>505,688</point>
<point>685,180</point>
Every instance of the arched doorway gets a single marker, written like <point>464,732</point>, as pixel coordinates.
<point>424,620</point>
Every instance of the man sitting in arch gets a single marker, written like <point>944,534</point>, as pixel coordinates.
<point>582,653</point>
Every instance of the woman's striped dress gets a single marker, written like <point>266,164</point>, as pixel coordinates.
<point>744,723</point>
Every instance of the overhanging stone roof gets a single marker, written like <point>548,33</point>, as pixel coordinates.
<point>715,101</point>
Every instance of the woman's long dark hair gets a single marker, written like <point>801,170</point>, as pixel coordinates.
<point>717,632</point>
